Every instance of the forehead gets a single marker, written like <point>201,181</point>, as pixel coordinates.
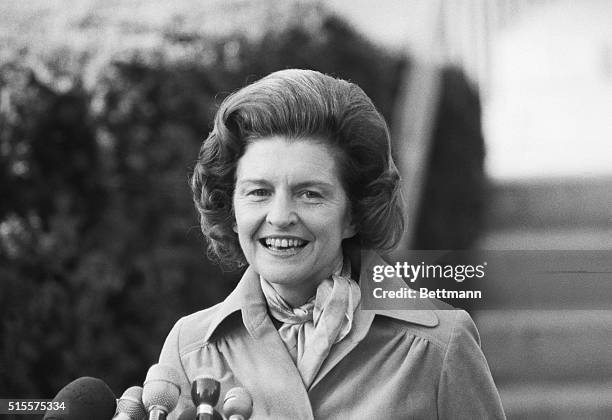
<point>278,157</point>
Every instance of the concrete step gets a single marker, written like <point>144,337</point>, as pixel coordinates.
<point>531,347</point>
<point>544,204</point>
<point>549,238</point>
<point>547,275</point>
<point>558,401</point>
<point>545,279</point>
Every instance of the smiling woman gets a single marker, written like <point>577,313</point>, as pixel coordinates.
<point>296,182</point>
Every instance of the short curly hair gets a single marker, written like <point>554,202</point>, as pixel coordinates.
<point>300,104</point>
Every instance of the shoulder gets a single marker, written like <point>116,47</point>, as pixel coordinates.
<point>191,330</point>
<point>200,320</point>
<point>441,327</point>
<point>457,326</point>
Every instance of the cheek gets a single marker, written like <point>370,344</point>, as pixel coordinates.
<point>246,219</point>
<point>332,225</point>
<point>344,221</point>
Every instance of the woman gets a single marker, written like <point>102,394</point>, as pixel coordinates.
<point>297,183</point>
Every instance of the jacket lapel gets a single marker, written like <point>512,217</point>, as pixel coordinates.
<point>282,380</point>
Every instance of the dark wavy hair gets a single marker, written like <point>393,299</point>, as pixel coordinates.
<point>300,104</point>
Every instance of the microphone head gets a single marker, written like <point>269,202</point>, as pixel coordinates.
<point>205,390</point>
<point>131,405</point>
<point>84,398</point>
<point>161,388</point>
<point>238,401</point>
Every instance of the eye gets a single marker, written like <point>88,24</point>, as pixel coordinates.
<point>259,192</point>
<point>309,194</point>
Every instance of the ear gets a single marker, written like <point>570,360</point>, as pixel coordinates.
<point>350,229</point>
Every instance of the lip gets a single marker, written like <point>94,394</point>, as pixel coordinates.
<point>277,236</point>
<point>288,253</point>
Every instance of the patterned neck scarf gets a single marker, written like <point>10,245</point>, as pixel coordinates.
<point>311,330</point>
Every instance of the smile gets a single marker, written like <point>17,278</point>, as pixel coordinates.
<point>285,245</point>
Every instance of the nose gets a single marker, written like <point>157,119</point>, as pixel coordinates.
<point>281,212</point>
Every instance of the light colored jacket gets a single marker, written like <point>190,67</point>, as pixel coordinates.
<point>418,363</point>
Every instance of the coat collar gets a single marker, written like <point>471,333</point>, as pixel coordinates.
<point>248,299</point>
<point>417,311</point>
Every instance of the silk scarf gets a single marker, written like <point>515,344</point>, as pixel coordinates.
<point>310,331</point>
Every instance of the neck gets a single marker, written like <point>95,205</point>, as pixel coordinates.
<point>296,297</point>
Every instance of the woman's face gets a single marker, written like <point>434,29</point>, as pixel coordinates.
<point>292,214</point>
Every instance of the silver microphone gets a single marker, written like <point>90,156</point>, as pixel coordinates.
<point>129,406</point>
<point>237,404</point>
<point>161,391</point>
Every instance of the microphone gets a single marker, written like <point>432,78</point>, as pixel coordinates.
<point>205,395</point>
<point>191,414</point>
<point>129,406</point>
<point>84,398</point>
<point>237,404</point>
<point>161,391</point>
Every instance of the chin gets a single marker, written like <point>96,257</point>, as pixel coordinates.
<point>280,275</point>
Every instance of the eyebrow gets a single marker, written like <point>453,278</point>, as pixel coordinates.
<point>309,183</point>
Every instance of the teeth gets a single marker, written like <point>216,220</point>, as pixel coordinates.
<point>284,242</point>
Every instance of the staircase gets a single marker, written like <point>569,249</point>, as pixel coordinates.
<point>553,360</point>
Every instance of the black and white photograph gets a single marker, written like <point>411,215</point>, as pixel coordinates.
<point>305,209</point>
